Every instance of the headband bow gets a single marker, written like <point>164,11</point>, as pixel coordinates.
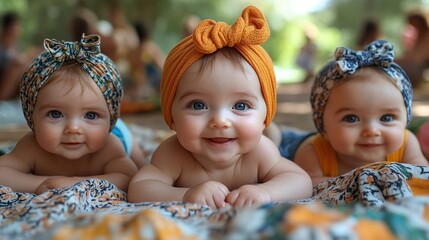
<point>249,29</point>
<point>62,51</point>
<point>378,54</point>
<point>245,35</point>
<point>87,53</point>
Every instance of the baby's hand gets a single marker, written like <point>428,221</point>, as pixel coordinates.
<point>55,183</point>
<point>211,193</point>
<point>248,195</point>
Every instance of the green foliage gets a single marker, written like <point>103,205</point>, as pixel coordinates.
<point>338,23</point>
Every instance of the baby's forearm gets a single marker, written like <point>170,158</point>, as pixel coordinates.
<point>289,186</point>
<point>19,181</point>
<point>154,191</point>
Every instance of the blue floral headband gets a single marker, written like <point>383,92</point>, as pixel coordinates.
<point>379,54</point>
<point>87,53</point>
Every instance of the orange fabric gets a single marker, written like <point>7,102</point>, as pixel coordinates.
<point>419,186</point>
<point>245,35</point>
<point>369,229</point>
<point>328,158</point>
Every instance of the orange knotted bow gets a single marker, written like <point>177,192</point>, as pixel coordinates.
<point>245,35</point>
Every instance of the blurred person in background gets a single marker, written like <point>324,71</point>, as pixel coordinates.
<point>86,21</point>
<point>369,33</point>
<point>146,63</point>
<point>308,52</point>
<point>191,22</point>
<point>13,62</point>
<point>415,59</point>
<point>125,38</point>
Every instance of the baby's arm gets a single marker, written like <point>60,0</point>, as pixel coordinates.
<point>119,169</point>
<point>16,167</point>
<point>281,179</point>
<point>306,157</point>
<point>119,172</point>
<point>413,153</point>
<point>154,181</point>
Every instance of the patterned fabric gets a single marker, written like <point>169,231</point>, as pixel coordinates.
<point>374,199</point>
<point>245,35</point>
<point>87,53</point>
<point>379,54</point>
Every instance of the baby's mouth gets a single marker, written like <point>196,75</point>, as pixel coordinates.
<point>220,140</point>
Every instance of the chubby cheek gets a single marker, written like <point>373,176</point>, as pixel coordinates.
<point>395,140</point>
<point>250,131</point>
<point>96,137</point>
<point>189,131</point>
<point>48,138</point>
<point>341,141</point>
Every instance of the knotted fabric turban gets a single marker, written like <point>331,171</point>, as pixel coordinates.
<point>245,35</point>
<point>86,53</point>
<point>379,54</point>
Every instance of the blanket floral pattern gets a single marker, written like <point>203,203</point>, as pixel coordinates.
<point>377,201</point>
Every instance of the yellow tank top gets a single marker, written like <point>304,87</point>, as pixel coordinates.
<point>328,158</point>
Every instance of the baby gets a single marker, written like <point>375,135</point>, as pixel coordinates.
<point>361,103</point>
<point>218,94</point>
<point>70,97</point>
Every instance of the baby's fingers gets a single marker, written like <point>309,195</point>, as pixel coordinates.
<point>219,198</point>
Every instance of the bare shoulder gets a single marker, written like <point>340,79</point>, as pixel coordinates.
<point>413,153</point>
<point>170,154</point>
<point>266,150</point>
<point>265,156</point>
<point>169,159</point>
<point>24,154</point>
<point>112,149</point>
<point>306,156</point>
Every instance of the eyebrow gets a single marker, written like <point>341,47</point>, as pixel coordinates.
<point>347,109</point>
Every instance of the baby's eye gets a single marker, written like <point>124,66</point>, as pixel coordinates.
<point>241,106</point>
<point>91,115</point>
<point>55,114</point>
<point>386,118</point>
<point>351,118</point>
<point>197,105</point>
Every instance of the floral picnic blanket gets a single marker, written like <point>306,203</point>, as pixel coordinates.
<point>377,201</point>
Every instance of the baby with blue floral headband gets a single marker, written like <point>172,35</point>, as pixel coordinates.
<point>361,104</point>
<point>70,98</point>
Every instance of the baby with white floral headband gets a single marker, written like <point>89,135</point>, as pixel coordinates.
<point>361,104</point>
<point>70,98</point>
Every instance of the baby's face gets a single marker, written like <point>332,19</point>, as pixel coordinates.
<point>365,117</point>
<point>219,113</point>
<point>71,121</point>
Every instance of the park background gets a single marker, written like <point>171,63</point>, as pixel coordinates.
<point>335,22</point>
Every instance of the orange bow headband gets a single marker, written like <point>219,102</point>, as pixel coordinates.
<point>245,35</point>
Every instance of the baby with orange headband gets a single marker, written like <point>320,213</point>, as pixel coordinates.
<point>70,98</point>
<point>218,94</point>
